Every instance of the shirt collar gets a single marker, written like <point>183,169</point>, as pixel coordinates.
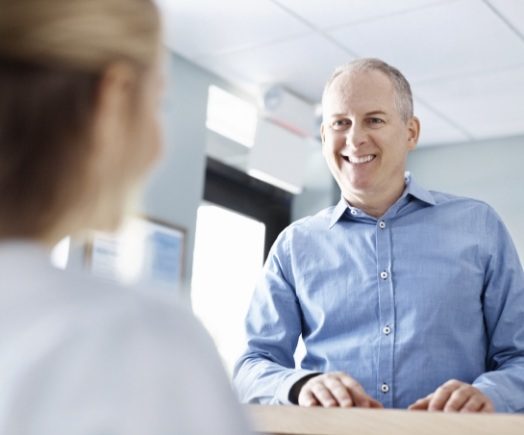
<point>412,189</point>
<point>338,211</point>
<point>418,191</point>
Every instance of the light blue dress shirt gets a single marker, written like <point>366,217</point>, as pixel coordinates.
<point>431,291</point>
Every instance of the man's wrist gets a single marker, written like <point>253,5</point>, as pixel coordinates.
<point>297,386</point>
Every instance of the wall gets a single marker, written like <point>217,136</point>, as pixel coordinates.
<point>489,170</point>
<point>320,190</point>
<point>175,188</point>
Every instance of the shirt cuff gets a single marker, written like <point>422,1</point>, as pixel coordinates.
<point>282,395</point>
<point>498,401</point>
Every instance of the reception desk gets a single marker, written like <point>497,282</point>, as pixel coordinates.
<point>286,420</point>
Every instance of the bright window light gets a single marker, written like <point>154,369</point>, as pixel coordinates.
<point>267,178</point>
<point>231,116</point>
<point>60,253</point>
<point>228,256</point>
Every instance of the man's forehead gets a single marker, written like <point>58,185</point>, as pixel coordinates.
<point>362,81</point>
<point>363,91</point>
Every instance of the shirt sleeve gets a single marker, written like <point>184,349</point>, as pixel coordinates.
<point>503,304</point>
<point>266,372</point>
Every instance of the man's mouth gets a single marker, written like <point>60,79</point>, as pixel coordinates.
<point>360,159</point>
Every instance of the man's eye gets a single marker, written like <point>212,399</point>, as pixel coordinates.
<point>339,124</point>
<point>375,121</point>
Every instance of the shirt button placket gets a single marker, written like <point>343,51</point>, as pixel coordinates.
<point>386,310</point>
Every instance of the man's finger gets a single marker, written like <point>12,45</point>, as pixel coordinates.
<point>420,404</point>
<point>339,392</point>
<point>360,398</point>
<point>458,399</point>
<point>323,395</point>
<point>307,398</point>
<point>441,397</point>
<point>376,404</point>
<point>474,404</point>
<point>487,406</point>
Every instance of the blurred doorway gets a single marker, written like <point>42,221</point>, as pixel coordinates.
<point>228,256</point>
<point>237,223</point>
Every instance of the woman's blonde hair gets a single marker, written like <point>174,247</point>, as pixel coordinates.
<point>85,35</point>
<point>53,54</point>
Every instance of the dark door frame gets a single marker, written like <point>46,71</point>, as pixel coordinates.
<point>238,191</point>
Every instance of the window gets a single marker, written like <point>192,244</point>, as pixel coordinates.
<point>236,226</point>
<point>228,256</point>
<point>60,253</point>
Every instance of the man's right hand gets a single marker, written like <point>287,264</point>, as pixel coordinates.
<point>335,389</point>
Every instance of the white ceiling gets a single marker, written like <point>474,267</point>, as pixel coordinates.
<point>464,58</point>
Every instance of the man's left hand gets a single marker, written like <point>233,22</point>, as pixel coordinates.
<point>455,396</point>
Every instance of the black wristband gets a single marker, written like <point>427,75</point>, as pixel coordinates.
<point>297,386</point>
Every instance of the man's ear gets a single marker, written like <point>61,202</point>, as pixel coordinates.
<point>413,132</point>
<point>322,134</point>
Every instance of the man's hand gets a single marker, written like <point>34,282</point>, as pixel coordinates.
<point>454,396</point>
<point>335,389</point>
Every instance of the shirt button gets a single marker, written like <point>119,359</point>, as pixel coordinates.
<point>386,330</point>
<point>382,224</point>
<point>384,388</point>
<point>384,275</point>
<point>353,212</point>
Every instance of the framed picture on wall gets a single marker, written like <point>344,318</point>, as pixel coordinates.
<point>145,251</point>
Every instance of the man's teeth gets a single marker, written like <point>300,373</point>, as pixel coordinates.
<point>359,160</point>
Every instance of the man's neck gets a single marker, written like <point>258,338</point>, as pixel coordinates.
<point>376,203</point>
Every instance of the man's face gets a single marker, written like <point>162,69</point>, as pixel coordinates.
<point>365,141</point>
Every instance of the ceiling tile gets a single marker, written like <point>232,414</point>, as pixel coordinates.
<point>302,65</point>
<point>511,10</point>
<point>434,129</point>
<point>449,39</point>
<point>487,105</point>
<point>331,13</point>
<point>196,28</point>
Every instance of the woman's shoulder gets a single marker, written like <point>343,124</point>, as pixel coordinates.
<point>33,287</point>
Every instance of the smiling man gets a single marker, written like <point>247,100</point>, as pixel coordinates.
<point>405,298</point>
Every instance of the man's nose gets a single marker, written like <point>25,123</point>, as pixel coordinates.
<point>356,136</point>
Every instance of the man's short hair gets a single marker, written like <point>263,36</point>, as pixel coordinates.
<point>403,95</point>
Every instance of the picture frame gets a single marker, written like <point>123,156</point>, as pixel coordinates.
<point>145,251</point>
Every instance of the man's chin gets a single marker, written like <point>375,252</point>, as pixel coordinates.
<point>358,188</point>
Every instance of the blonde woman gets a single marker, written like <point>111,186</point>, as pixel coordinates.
<point>79,90</point>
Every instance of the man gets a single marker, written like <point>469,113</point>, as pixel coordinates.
<point>403,297</point>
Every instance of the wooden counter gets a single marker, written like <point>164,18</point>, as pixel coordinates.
<point>285,420</point>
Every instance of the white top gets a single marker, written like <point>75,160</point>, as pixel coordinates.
<point>80,356</point>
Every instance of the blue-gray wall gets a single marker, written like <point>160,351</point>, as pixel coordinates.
<point>490,170</point>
